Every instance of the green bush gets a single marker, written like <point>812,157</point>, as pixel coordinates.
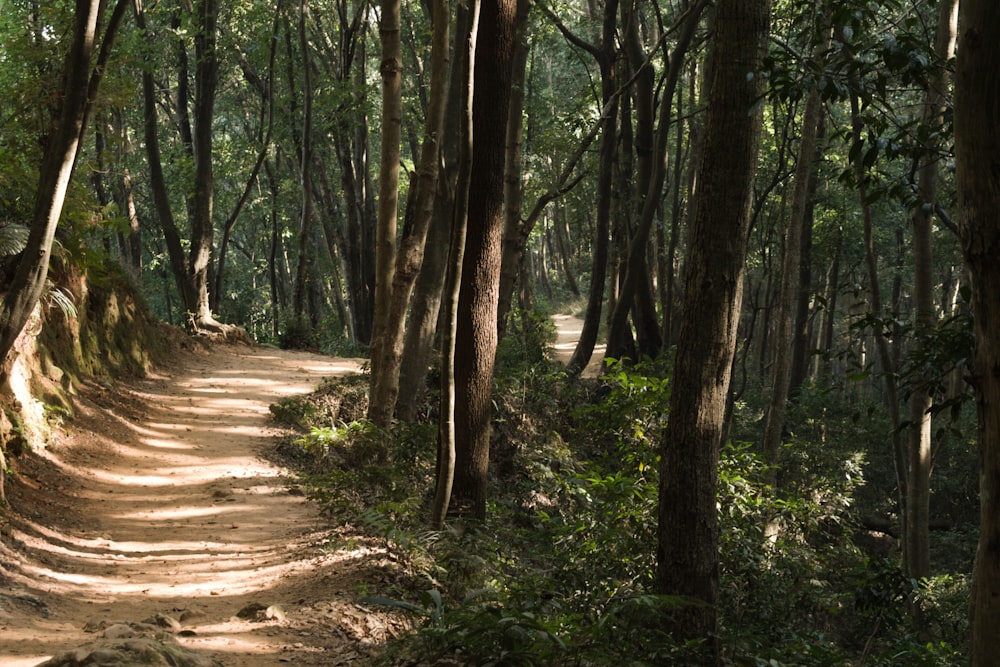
<point>562,573</point>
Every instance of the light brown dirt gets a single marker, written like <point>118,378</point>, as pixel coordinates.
<point>155,499</point>
<point>568,330</point>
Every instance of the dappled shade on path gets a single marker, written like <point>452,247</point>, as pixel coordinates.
<point>156,500</point>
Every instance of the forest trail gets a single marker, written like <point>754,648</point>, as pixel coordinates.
<point>568,330</point>
<point>155,500</point>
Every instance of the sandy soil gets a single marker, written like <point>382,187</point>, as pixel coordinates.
<point>156,500</point>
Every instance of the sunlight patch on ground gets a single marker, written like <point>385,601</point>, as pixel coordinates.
<point>207,576</point>
<point>102,548</point>
<point>181,513</point>
<point>165,444</point>
<point>190,472</point>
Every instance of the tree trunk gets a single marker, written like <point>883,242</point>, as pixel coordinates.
<point>606,58</point>
<point>560,227</point>
<point>427,292</point>
<point>202,224</point>
<point>514,240</point>
<point>881,343</point>
<point>385,374</point>
<point>306,243</point>
<point>463,88</point>
<point>133,242</point>
<point>977,144</point>
<point>925,319</point>
<point>802,333</point>
<point>789,288</point>
<point>391,71</point>
<point>80,86</point>
<point>157,180</point>
<point>687,553</point>
<point>266,91</point>
<point>272,250</point>
<point>476,335</point>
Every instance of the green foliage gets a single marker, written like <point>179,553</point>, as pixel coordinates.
<point>13,238</point>
<point>562,573</point>
<point>297,334</point>
<point>294,412</point>
<point>528,342</point>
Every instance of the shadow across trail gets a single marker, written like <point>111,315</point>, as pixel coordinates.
<point>155,500</point>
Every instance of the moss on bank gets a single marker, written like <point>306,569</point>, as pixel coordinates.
<point>89,324</point>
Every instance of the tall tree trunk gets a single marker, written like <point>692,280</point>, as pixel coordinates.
<point>391,71</point>
<point>802,333</point>
<point>422,323</point>
<point>476,335</point>
<point>606,57</point>
<point>977,144</point>
<point>463,89</point>
<point>925,318</point>
<point>306,241</point>
<point>780,379</point>
<point>636,266</point>
<point>133,242</point>
<point>202,224</point>
<point>80,86</point>
<point>830,307</point>
<point>272,249</point>
<point>560,227</point>
<point>266,91</point>
<point>513,239</point>
<point>687,553</point>
<point>157,180</point>
<point>408,260</point>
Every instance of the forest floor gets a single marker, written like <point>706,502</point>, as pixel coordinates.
<point>157,503</point>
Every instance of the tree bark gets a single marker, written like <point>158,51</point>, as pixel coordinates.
<point>513,243</point>
<point>422,324</point>
<point>463,87</point>
<point>306,243</point>
<point>977,145</point>
<point>391,71</point>
<point>157,180</point>
<point>687,552</point>
<point>266,91</point>
<point>202,224</point>
<point>881,343</point>
<point>636,266</point>
<point>476,335</point>
<point>409,257</point>
<point>606,57</point>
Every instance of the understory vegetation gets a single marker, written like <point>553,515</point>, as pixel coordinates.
<point>562,571</point>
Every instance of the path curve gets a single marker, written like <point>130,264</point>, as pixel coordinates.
<point>156,501</point>
<point>568,330</point>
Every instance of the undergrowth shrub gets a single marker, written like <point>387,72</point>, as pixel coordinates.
<point>562,572</point>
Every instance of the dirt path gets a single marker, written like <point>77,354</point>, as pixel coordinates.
<point>568,330</point>
<point>156,501</point>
